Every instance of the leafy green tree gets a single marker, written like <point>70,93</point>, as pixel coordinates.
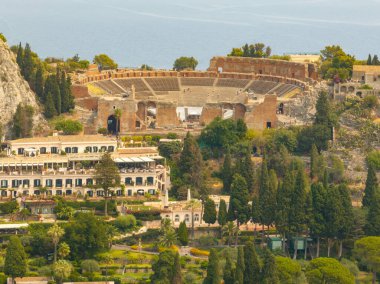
<point>170,150</point>
<point>87,235</point>
<point>288,270</point>
<point>336,64</point>
<point>222,213</point>
<point>23,121</point>
<point>104,62</point>
<point>183,63</point>
<point>368,251</point>
<point>286,138</point>
<point>227,172</point>
<point>239,209</point>
<point>177,274</point>
<point>163,268</point>
<point>240,266</point>
<point>55,233</point>
<point>15,262</point>
<point>236,51</point>
<point>62,270</point>
<point>372,225</point>
<point>69,126</point>
<point>269,271</point>
<point>89,267</point>
<point>2,37</point>
<point>251,265</point>
<point>125,222</point>
<point>328,270</point>
<point>212,268</point>
<point>371,185</point>
<point>318,221</point>
<point>228,271</point>
<point>230,229</point>
<point>209,214</point>
<point>63,250</point>
<point>107,177</point>
<point>183,235</point>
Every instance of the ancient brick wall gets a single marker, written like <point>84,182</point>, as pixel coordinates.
<point>107,108</point>
<point>209,113</point>
<point>90,103</point>
<point>300,71</point>
<point>79,91</point>
<point>258,115</point>
<point>167,115</point>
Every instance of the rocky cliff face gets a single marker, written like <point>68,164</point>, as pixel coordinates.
<point>15,90</point>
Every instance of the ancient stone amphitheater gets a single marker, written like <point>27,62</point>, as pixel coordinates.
<point>256,90</point>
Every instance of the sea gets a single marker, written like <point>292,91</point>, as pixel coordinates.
<point>156,32</point>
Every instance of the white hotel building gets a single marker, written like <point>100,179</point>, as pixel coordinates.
<point>65,165</point>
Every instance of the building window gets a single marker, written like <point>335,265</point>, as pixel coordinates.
<point>269,124</point>
<point>140,192</point>
<point>43,150</point>
<point>119,192</point>
<point>88,149</point>
<point>74,149</point>
<point>69,182</point>
<point>176,218</point>
<point>103,149</point>
<point>187,218</point>
<point>128,181</point>
<point>78,182</point>
<point>111,148</point>
<point>167,216</point>
<point>196,218</point>
<point>4,184</point>
<point>95,149</point>
<point>129,192</point>
<point>37,192</point>
<point>89,181</point>
<point>25,183</point>
<point>49,182</point>
<point>152,191</point>
<point>149,181</point>
<point>37,183</point>
<point>69,192</point>
<point>15,183</point>
<point>3,193</point>
<point>54,150</point>
<point>68,150</point>
<point>139,181</point>
<point>58,183</point>
<point>58,192</point>
<point>20,151</point>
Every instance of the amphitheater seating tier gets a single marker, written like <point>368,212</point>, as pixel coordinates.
<point>262,87</point>
<point>139,84</point>
<point>232,83</point>
<point>186,81</point>
<point>284,89</point>
<point>163,84</point>
<point>109,86</point>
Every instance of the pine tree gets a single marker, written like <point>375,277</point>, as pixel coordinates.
<point>240,267</point>
<point>252,265</point>
<point>267,195</point>
<point>269,271</point>
<point>370,186</point>
<point>212,268</point>
<point>369,60</point>
<point>39,84</point>
<point>318,222</point>
<point>183,234</point>
<point>209,214</point>
<point>228,272</point>
<point>244,167</point>
<point>27,64</point>
<point>375,60</point>
<point>372,226</point>
<point>20,57</point>
<point>255,211</point>
<point>49,106</point>
<point>177,275</point>
<point>15,262</point>
<point>222,213</point>
<point>23,121</point>
<point>227,173</point>
<point>313,161</point>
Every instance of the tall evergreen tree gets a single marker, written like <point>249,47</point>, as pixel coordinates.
<point>212,268</point>
<point>227,173</point>
<point>49,106</point>
<point>267,196</point>
<point>27,64</point>
<point>255,211</point>
<point>370,186</point>
<point>20,57</point>
<point>209,214</point>
<point>39,83</point>
<point>375,60</point>
<point>251,265</point>
<point>318,222</point>
<point>222,213</point>
<point>240,267</point>
<point>229,271</point>
<point>177,275</point>
<point>183,234</point>
<point>347,223</point>
<point>163,267</point>
<point>244,167</point>
<point>15,262</point>
<point>269,271</point>
<point>314,155</point>
<point>372,225</point>
<point>23,121</point>
<point>369,60</point>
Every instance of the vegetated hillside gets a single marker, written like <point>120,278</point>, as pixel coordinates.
<point>14,90</point>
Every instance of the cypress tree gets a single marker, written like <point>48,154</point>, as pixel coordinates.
<point>209,214</point>
<point>323,110</point>
<point>240,267</point>
<point>372,225</point>
<point>375,60</point>
<point>318,222</point>
<point>15,258</point>
<point>49,106</point>
<point>255,211</point>
<point>228,272</point>
<point>39,84</point>
<point>252,265</point>
<point>69,95</point>
<point>313,161</point>
<point>244,167</point>
<point>370,186</point>
<point>27,65</point>
<point>347,223</point>
<point>369,60</point>
<point>20,57</point>
<point>177,275</point>
<point>183,234</point>
<point>267,195</point>
<point>212,268</point>
<point>227,173</point>
<point>269,271</point>
<point>222,213</point>
<point>63,92</point>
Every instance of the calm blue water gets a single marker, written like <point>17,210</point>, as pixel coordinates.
<point>156,32</point>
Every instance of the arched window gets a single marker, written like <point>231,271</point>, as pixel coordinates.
<point>187,218</point>
<point>196,218</point>
<point>176,219</point>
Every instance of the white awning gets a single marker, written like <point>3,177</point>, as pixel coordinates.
<point>127,160</point>
<point>136,160</point>
<point>118,160</point>
<point>146,159</point>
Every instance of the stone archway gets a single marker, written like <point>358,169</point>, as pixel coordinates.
<point>113,126</point>
<point>227,111</point>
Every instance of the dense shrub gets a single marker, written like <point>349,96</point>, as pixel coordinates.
<point>199,252</point>
<point>123,223</point>
<point>9,207</point>
<point>69,126</point>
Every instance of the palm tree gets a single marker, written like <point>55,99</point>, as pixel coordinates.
<point>168,235</point>
<point>117,114</point>
<point>193,204</point>
<point>230,229</point>
<point>55,233</point>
